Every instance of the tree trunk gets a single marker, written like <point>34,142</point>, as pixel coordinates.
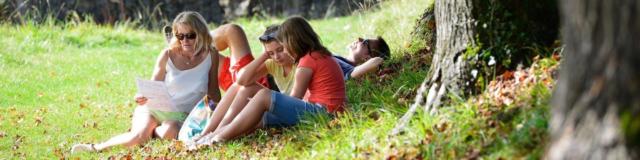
<point>597,97</point>
<point>449,72</point>
<point>455,32</point>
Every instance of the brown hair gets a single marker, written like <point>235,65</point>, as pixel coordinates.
<point>299,38</point>
<point>381,49</point>
<point>198,25</point>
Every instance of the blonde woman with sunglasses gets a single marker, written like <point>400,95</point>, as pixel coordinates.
<point>189,69</point>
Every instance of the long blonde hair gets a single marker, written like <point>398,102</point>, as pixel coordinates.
<point>198,25</point>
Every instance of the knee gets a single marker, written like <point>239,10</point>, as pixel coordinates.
<point>232,27</point>
<point>263,93</point>
<point>243,89</point>
<point>171,129</point>
<point>139,138</point>
<point>263,97</point>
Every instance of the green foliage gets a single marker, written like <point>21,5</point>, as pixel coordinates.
<point>630,125</point>
<point>511,31</point>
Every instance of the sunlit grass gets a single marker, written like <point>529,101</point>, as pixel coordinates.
<point>62,84</point>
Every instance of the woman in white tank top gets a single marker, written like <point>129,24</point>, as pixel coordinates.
<point>189,68</point>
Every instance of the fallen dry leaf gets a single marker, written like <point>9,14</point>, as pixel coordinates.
<point>374,115</point>
<point>178,146</point>
<point>38,120</point>
<point>335,123</point>
<point>17,141</point>
<point>442,125</point>
<point>82,105</point>
<point>147,149</point>
<point>492,123</point>
<point>58,152</point>
<point>428,138</point>
<point>507,75</point>
<point>126,157</point>
<point>90,124</point>
<point>472,154</point>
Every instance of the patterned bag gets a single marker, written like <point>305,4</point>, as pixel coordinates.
<point>197,119</point>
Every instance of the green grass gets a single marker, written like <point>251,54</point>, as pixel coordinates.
<point>62,84</point>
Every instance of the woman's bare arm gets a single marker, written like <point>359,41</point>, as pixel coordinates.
<point>301,83</point>
<point>366,67</point>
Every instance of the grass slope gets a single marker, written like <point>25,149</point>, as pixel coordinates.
<point>72,83</point>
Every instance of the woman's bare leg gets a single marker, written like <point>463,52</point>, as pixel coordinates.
<point>142,126</point>
<point>168,130</point>
<point>241,99</point>
<point>233,37</point>
<point>247,119</point>
<point>221,109</point>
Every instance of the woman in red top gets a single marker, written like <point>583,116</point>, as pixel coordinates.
<point>317,72</point>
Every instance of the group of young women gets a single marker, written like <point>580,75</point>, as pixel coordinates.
<point>308,77</point>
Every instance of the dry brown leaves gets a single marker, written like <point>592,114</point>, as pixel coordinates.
<point>503,90</point>
<point>406,152</point>
<point>442,125</point>
<point>90,124</point>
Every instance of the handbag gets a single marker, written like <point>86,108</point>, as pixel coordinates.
<point>197,119</point>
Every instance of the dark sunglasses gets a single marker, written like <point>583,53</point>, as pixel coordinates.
<point>268,37</point>
<point>188,36</point>
<point>366,43</point>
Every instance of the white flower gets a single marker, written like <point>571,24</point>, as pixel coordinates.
<point>474,73</point>
<point>492,61</point>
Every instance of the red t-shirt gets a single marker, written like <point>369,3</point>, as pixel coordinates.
<point>327,83</point>
<point>229,73</point>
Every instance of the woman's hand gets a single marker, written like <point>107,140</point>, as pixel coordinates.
<point>265,55</point>
<point>140,100</point>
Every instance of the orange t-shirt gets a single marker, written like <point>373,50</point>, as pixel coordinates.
<point>327,82</point>
<point>229,72</point>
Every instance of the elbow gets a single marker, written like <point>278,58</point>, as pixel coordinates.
<point>242,82</point>
<point>377,61</point>
<point>354,76</point>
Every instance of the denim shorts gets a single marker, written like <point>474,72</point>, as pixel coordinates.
<point>288,111</point>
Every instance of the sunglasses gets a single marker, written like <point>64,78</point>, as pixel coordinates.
<point>268,37</point>
<point>188,36</point>
<point>366,43</point>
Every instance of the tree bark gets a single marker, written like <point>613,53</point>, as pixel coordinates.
<point>455,32</point>
<point>597,97</point>
<point>449,72</point>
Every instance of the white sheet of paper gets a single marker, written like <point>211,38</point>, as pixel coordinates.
<point>157,94</point>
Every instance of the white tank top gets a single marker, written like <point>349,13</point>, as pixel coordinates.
<point>188,86</point>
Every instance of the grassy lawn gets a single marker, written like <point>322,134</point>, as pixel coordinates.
<point>62,84</point>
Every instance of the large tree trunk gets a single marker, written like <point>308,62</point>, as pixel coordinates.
<point>449,72</point>
<point>597,97</point>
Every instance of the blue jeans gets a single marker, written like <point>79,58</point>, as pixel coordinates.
<point>287,111</point>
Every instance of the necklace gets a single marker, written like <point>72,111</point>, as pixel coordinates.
<point>188,60</point>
